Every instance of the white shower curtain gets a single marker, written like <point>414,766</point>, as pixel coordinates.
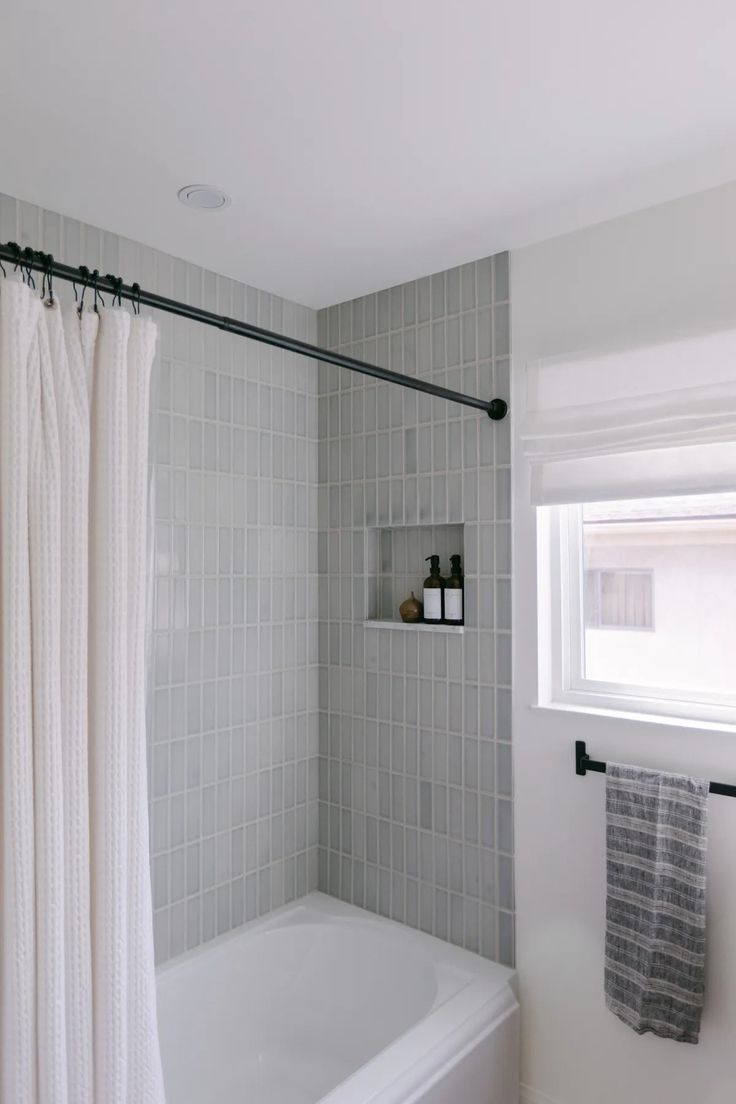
<point>77,986</point>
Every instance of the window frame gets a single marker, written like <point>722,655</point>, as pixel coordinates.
<point>562,682</point>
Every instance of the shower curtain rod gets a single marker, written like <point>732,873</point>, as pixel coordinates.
<point>32,259</point>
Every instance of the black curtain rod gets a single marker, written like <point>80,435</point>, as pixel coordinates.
<point>31,259</point>
<point>584,763</point>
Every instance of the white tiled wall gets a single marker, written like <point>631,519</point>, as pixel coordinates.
<point>415,727</point>
<point>233,670</point>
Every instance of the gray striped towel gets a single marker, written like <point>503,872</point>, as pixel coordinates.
<point>655,906</point>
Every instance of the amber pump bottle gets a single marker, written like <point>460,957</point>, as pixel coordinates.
<point>434,589</point>
<point>455,594</point>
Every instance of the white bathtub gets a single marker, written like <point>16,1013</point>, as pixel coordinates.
<point>321,1001</point>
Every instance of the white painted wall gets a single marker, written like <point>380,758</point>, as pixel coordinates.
<point>647,277</point>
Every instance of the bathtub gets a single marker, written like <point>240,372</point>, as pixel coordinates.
<point>321,1001</point>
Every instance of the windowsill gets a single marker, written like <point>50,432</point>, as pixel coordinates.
<point>416,626</point>
<point>694,724</point>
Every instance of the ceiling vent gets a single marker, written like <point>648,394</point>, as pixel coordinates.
<point>204,197</point>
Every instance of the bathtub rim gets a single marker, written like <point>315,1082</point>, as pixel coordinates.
<point>418,1057</point>
<point>321,906</point>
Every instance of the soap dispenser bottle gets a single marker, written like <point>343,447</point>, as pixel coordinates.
<point>455,594</point>
<point>434,589</point>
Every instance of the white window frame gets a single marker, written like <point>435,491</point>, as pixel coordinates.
<point>562,635</point>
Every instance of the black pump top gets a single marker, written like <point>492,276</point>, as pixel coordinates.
<point>434,565</point>
<point>455,565</point>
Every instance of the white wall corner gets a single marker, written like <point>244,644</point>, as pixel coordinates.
<point>534,1096</point>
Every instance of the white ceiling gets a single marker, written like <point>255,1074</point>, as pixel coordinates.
<point>364,142</point>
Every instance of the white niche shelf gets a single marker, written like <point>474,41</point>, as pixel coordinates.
<point>408,626</point>
<point>395,565</point>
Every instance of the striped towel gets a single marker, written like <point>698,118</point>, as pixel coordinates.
<point>655,907</point>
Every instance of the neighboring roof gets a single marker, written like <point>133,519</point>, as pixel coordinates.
<point>696,507</point>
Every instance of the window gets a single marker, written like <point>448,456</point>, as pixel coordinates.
<point>631,458</point>
<point>643,604</point>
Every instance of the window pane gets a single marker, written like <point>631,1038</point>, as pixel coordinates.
<point>659,594</point>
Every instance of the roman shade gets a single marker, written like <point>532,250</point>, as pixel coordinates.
<point>637,423</point>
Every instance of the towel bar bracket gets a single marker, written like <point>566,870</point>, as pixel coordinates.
<point>583,764</point>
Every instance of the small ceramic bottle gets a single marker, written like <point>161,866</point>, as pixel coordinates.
<point>455,594</point>
<point>434,588</point>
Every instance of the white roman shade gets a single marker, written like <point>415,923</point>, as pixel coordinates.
<point>656,420</point>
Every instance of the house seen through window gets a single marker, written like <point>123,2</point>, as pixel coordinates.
<point>618,599</point>
<point>662,572</point>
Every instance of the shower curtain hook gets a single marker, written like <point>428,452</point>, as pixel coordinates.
<point>84,272</point>
<point>28,257</point>
<point>18,260</point>
<point>117,285</point>
<point>50,260</point>
<point>15,249</point>
<point>48,280</point>
<point>137,299</point>
<point>95,278</point>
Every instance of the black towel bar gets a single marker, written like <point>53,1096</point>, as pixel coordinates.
<point>583,764</point>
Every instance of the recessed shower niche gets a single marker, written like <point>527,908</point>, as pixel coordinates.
<point>396,565</point>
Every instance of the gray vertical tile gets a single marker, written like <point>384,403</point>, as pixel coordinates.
<point>433,710</point>
<point>206,390</point>
<point>259,663</point>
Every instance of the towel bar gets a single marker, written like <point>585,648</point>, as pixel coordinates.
<point>583,764</point>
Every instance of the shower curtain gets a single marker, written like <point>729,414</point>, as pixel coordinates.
<point>77,986</point>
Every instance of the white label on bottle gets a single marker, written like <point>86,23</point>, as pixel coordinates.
<point>453,604</point>
<point>432,603</point>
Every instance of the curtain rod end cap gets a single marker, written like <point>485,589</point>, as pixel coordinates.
<point>497,409</point>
